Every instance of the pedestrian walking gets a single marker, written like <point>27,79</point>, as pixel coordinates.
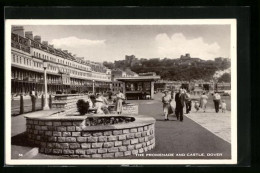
<point>203,101</point>
<point>180,101</point>
<point>166,100</point>
<point>187,102</point>
<point>216,100</point>
<point>119,105</point>
<point>172,103</point>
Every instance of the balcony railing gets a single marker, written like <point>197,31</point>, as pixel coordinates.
<point>25,48</point>
<point>15,45</point>
<point>20,46</point>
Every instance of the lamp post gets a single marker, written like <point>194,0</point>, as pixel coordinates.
<point>93,87</point>
<point>46,105</point>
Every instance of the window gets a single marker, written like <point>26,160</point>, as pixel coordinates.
<point>13,58</point>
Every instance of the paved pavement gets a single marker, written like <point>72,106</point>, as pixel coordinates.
<point>185,137</point>
<point>15,106</point>
<point>194,138</point>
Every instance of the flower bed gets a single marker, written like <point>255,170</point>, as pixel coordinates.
<point>107,120</point>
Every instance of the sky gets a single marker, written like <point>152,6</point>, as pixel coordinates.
<point>109,42</point>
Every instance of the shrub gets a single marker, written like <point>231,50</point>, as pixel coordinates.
<point>82,107</point>
<point>73,92</point>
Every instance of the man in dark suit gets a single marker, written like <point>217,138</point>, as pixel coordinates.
<point>180,101</point>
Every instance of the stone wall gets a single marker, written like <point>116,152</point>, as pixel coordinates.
<point>67,102</point>
<point>69,138</point>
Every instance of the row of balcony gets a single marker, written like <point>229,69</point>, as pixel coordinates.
<point>21,47</point>
<point>59,81</point>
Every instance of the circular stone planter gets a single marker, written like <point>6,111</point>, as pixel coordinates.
<point>72,136</point>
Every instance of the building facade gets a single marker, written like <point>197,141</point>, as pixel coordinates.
<point>65,72</point>
<point>118,73</point>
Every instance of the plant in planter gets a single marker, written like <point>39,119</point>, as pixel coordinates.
<point>82,107</point>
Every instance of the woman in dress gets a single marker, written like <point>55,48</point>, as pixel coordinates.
<point>166,100</point>
<point>119,104</point>
<point>203,101</point>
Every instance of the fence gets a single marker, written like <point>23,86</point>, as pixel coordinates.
<point>26,104</point>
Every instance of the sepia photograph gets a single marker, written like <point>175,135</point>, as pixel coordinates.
<point>128,91</point>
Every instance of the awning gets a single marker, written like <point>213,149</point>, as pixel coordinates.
<point>139,78</point>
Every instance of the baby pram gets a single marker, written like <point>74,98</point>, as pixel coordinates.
<point>197,104</point>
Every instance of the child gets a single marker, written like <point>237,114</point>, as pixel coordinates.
<point>197,105</point>
<point>223,106</point>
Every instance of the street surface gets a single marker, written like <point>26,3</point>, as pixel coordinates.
<point>199,136</point>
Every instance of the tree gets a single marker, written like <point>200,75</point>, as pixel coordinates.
<point>226,77</point>
<point>109,65</point>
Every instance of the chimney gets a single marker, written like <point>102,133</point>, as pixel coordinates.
<point>37,38</point>
<point>19,30</point>
<point>45,43</point>
<point>51,45</point>
<point>29,34</point>
<point>66,51</point>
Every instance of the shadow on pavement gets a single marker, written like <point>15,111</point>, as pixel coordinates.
<point>21,140</point>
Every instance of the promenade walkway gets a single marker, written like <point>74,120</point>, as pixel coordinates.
<point>199,133</point>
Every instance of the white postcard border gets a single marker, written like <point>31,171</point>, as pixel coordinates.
<point>233,56</point>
